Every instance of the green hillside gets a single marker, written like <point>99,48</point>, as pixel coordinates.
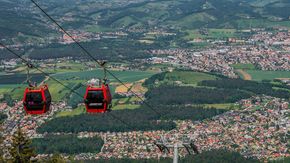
<point>17,20</point>
<point>22,16</point>
<point>195,14</point>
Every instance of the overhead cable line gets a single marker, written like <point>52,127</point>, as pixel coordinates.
<point>46,74</point>
<point>93,58</point>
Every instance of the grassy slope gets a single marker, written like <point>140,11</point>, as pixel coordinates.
<point>188,77</point>
<point>223,106</point>
<point>72,78</point>
<point>126,76</point>
<point>192,78</point>
<point>259,75</point>
<point>69,79</point>
<point>77,111</point>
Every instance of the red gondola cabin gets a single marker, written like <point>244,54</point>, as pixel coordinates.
<point>37,100</point>
<point>98,99</point>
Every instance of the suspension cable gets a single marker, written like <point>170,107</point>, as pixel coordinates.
<point>37,68</point>
<point>93,58</point>
<point>46,74</point>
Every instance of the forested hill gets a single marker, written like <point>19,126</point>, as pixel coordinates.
<point>17,19</point>
<point>195,14</point>
<point>21,16</point>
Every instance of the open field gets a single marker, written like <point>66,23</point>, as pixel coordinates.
<point>244,74</point>
<point>260,75</point>
<point>138,87</point>
<point>82,110</point>
<point>121,101</point>
<point>223,106</point>
<point>70,79</point>
<point>146,41</point>
<point>58,91</point>
<point>123,89</point>
<point>15,90</point>
<point>135,87</point>
<point>6,88</point>
<point>20,78</point>
<point>125,106</point>
<point>212,33</point>
<point>77,111</point>
<point>188,77</point>
<point>17,93</point>
<point>249,72</point>
<point>125,76</point>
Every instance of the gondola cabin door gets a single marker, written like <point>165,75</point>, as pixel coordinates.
<point>97,99</point>
<point>37,100</point>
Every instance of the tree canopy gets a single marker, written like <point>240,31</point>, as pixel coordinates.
<point>21,150</point>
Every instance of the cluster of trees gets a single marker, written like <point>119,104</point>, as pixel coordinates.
<point>176,95</point>
<point>219,156</point>
<point>185,76</point>
<point>69,144</point>
<point>135,120</point>
<point>279,84</point>
<point>142,119</point>
<point>8,99</point>
<point>250,86</point>
<point>213,156</point>
<point>6,55</point>
<point>20,78</point>
<point>150,82</point>
<point>22,151</point>
<point>2,117</point>
<point>115,50</point>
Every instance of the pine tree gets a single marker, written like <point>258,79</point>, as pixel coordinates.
<point>21,150</point>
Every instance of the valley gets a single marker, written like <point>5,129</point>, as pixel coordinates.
<point>214,72</point>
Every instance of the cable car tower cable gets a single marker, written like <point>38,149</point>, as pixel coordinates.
<point>93,58</point>
<point>46,74</point>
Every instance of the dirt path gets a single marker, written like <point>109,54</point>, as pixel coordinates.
<point>246,76</point>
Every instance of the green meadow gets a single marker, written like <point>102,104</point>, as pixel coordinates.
<point>188,77</point>
<point>260,75</point>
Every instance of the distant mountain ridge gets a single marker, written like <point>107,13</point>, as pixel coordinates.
<point>195,14</point>
<point>21,16</point>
